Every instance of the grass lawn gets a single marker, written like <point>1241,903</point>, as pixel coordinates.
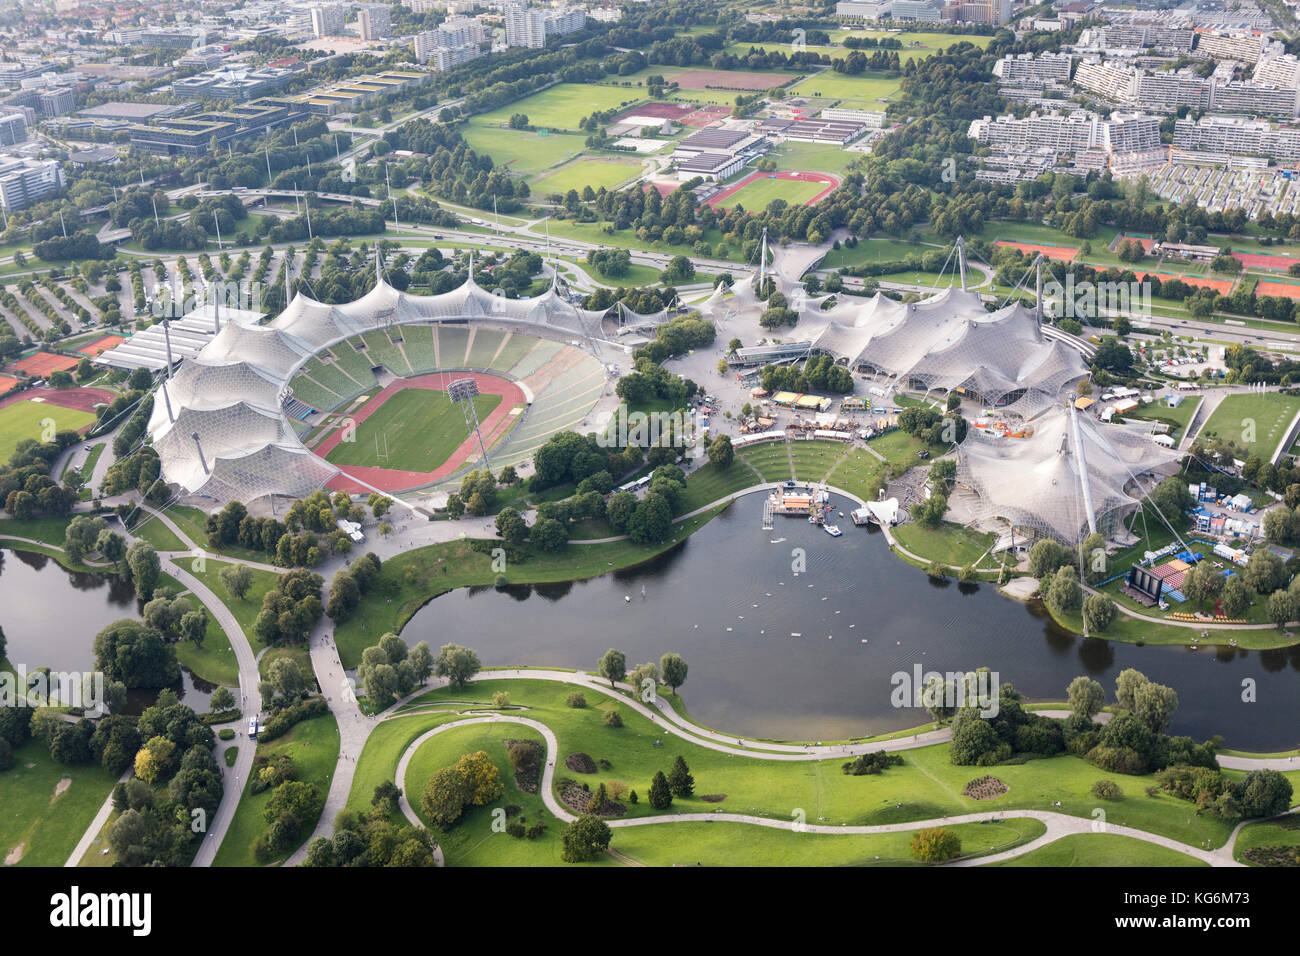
<point>246,609</point>
<point>757,195</point>
<point>859,473</point>
<point>421,427</point>
<point>1176,418</point>
<point>637,276</point>
<point>522,152</point>
<point>92,459</point>
<point>585,171</point>
<point>950,543</point>
<point>472,841</point>
<point>51,530</point>
<point>741,844</point>
<point>440,568</point>
<point>47,827</point>
<point>899,448</point>
<point>863,92</point>
<point>1284,831</point>
<point>563,105</point>
<point>709,483</point>
<point>812,157</point>
<point>926,786</point>
<point>1102,849</point>
<point>158,534</point>
<point>627,238</point>
<point>1256,423</point>
<point>28,419</point>
<point>314,746</point>
<point>872,250</point>
<point>916,45</point>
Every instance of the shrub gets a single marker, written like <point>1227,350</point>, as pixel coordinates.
<point>576,700</point>
<point>935,845</point>
<point>225,734</point>
<point>516,829</point>
<point>612,719</point>
<point>1107,790</point>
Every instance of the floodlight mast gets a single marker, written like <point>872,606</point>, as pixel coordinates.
<point>462,392</point>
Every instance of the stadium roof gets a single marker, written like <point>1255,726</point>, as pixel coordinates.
<point>1071,465</point>
<point>219,425</point>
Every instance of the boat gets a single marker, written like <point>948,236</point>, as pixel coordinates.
<point>841,514</point>
<point>833,530</point>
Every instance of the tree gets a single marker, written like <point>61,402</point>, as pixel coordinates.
<point>548,534</point>
<point>1235,597</point>
<point>1046,556</point>
<point>1265,793</point>
<point>1264,571</point>
<point>482,779</point>
<point>221,699</point>
<point>1064,593</point>
<point>145,567</point>
<point>1126,686</point>
<point>1281,608</point>
<point>445,797</point>
<point>661,795</point>
<point>155,760</point>
<point>1086,697</point>
<point>721,453</point>
<point>680,781</point>
<point>935,845</point>
<point>511,526</point>
<point>194,627</point>
<point>585,839</point>
<point>673,668</point>
<point>1098,612</point>
<point>237,579</point>
<point>421,659</point>
<point>457,664</point>
<point>612,666</point>
<point>1155,705</point>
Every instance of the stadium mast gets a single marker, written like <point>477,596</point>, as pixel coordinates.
<point>1038,295</point>
<point>961,261</point>
<point>1081,462</point>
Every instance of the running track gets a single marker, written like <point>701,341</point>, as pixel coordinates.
<point>393,479</point>
<point>832,182</point>
<point>82,399</point>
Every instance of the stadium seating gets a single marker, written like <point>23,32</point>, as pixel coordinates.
<point>453,343</point>
<point>419,347</point>
<point>483,347</point>
<point>383,352</point>
<point>516,347</point>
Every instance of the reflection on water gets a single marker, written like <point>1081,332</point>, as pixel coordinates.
<point>50,617</point>
<point>806,656</point>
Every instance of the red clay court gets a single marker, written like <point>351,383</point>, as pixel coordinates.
<point>494,426</point>
<point>668,111</point>
<point>43,363</point>
<point>731,80</point>
<point>6,383</point>
<point>101,345</point>
<point>831,183</point>
<point>1061,253</point>
<point>1262,260</point>
<point>81,399</point>
<point>706,115</point>
<point>1286,290</point>
<point>1221,286</point>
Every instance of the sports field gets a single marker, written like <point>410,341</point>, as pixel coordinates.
<point>755,82</point>
<point>563,105</point>
<point>418,428</point>
<point>1063,253</point>
<point>1288,290</point>
<point>760,189</point>
<point>916,46</point>
<point>585,171</point>
<point>1222,286</point>
<point>864,91</point>
<point>1255,422</point>
<point>818,157</point>
<point>24,420</point>
<point>522,152</point>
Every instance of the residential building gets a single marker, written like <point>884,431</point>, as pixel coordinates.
<point>1029,70</point>
<point>13,129</point>
<point>525,26</point>
<point>373,21</point>
<point>25,181</point>
<point>57,101</point>
<point>327,20</point>
<point>1238,136</point>
<point>1246,47</point>
<point>1283,71</point>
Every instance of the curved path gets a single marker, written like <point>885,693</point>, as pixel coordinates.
<point>1058,824</point>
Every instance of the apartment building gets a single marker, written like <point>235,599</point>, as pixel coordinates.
<point>455,41</point>
<point>1130,133</point>
<point>1068,133</point>
<point>374,22</point>
<point>57,101</point>
<point>26,181</point>
<point>1245,47</point>
<point>1111,81</point>
<point>1026,69</point>
<point>327,20</point>
<point>1238,136</point>
<point>1283,71</point>
<point>525,26</point>
<point>13,129</point>
<point>1147,36</point>
<point>1255,99</point>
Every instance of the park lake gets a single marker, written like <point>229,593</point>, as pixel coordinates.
<point>51,617</point>
<point>812,655</point>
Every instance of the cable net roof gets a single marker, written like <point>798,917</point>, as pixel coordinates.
<point>1037,483</point>
<point>230,393</point>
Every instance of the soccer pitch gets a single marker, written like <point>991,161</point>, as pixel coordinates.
<point>1256,422</point>
<point>584,172</point>
<point>417,428</point>
<point>562,106</point>
<point>757,195</point>
<point>522,152</point>
<point>862,92</point>
<point>25,420</point>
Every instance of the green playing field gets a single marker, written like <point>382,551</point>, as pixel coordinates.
<point>29,420</point>
<point>756,196</point>
<point>562,106</point>
<point>415,430</point>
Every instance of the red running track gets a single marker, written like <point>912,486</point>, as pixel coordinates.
<point>81,399</point>
<point>832,182</point>
<point>394,479</point>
